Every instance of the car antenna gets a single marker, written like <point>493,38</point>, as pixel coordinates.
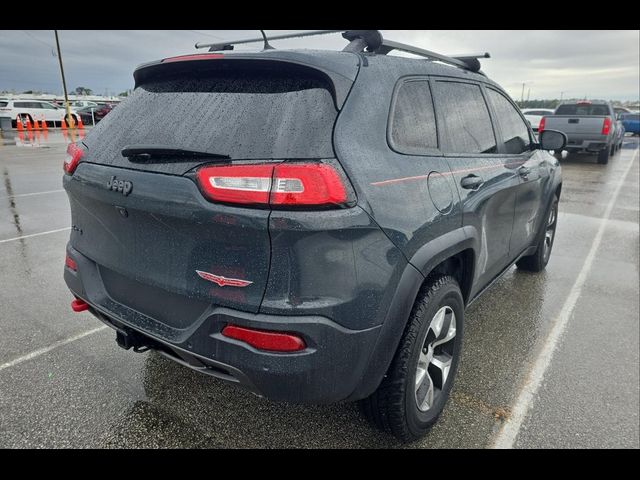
<point>266,42</point>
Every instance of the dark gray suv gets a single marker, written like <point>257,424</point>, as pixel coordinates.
<point>309,224</point>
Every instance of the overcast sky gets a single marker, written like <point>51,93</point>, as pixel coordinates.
<point>595,64</point>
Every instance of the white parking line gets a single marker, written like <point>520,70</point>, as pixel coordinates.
<point>35,235</point>
<point>34,193</point>
<point>506,437</point>
<point>42,351</point>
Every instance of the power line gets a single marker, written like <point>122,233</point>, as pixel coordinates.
<point>205,34</point>
<point>37,39</point>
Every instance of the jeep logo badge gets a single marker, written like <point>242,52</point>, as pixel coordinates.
<point>122,186</point>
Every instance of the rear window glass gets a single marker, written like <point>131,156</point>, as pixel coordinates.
<point>586,109</point>
<point>413,122</point>
<point>3,104</point>
<point>244,115</point>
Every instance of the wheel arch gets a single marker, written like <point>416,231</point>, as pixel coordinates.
<point>454,254</point>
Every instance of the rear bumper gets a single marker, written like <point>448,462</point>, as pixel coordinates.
<point>330,369</point>
<point>587,143</point>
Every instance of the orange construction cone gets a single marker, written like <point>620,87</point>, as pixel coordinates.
<point>63,125</point>
<point>80,125</point>
<point>29,127</point>
<point>43,123</point>
<point>36,125</point>
<point>19,124</point>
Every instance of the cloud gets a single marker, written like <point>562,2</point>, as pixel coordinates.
<point>598,64</point>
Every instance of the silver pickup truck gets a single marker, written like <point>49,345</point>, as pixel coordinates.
<point>590,126</point>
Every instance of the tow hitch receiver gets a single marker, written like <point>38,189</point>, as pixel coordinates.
<point>130,339</point>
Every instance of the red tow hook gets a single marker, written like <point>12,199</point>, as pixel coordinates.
<point>79,305</point>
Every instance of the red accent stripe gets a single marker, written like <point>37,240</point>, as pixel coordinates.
<point>452,172</point>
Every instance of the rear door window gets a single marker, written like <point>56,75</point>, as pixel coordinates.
<point>515,133</point>
<point>463,118</point>
<point>244,114</point>
<point>413,121</point>
<point>3,104</point>
<point>22,104</point>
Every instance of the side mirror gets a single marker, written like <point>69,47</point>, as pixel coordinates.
<point>552,140</point>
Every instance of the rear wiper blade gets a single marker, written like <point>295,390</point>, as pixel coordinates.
<point>149,151</point>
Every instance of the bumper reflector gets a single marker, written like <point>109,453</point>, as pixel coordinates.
<point>70,263</point>
<point>265,340</point>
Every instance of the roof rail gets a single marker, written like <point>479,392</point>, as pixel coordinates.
<point>360,41</point>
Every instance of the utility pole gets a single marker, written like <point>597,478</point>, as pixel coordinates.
<point>561,94</point>
<point>528,93</point>
<point>64,83</point>
<point>522,94</point>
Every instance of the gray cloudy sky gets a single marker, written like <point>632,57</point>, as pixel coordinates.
<point>596,64</point>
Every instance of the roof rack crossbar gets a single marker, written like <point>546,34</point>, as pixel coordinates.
<point>468,62</point>
<point>360,41</point>
<point>214,47</point>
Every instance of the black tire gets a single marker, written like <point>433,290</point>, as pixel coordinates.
<point>538,261</point>
<point>393,407</point>
<point>603,156</point>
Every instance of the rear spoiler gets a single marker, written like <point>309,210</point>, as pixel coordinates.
<point>340,83</point>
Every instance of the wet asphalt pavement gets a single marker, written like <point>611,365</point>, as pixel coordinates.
<point>61,387</point>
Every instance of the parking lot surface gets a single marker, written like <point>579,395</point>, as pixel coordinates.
<point>65,383</point>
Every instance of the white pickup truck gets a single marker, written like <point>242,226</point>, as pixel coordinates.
<point>590,126</point>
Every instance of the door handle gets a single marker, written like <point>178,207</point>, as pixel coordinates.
<point>471,182</point>
<point>524,171</point>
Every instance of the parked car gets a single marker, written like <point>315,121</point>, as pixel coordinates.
<point>534,115</point>
<point>34,110</point>
<point>78,104</point>
<point>99,113</point>
<point>591,126</point>
<point>303,236</point>
<point>619,110</point>
<point>631,122</point>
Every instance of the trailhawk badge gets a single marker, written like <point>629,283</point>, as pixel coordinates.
<point>223,281</point>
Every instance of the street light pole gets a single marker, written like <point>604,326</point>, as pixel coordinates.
<point>64,83</point>
<point>522,94</point>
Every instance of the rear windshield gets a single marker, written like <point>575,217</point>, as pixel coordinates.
<point>3,104</point>
<point>245,115</point>
<point>576,109</point>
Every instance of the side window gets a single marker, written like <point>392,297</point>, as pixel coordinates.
<point>514,131</point>
<point>463,118</point>
<point>21,104</point>
<point>413,122</point>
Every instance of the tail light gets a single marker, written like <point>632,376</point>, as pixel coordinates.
<point>606,126</point>
<point>197,56</point>
<point>264,339</point>
<point>74,154</point>
<point>306,184</point>
<point>541,126</point>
